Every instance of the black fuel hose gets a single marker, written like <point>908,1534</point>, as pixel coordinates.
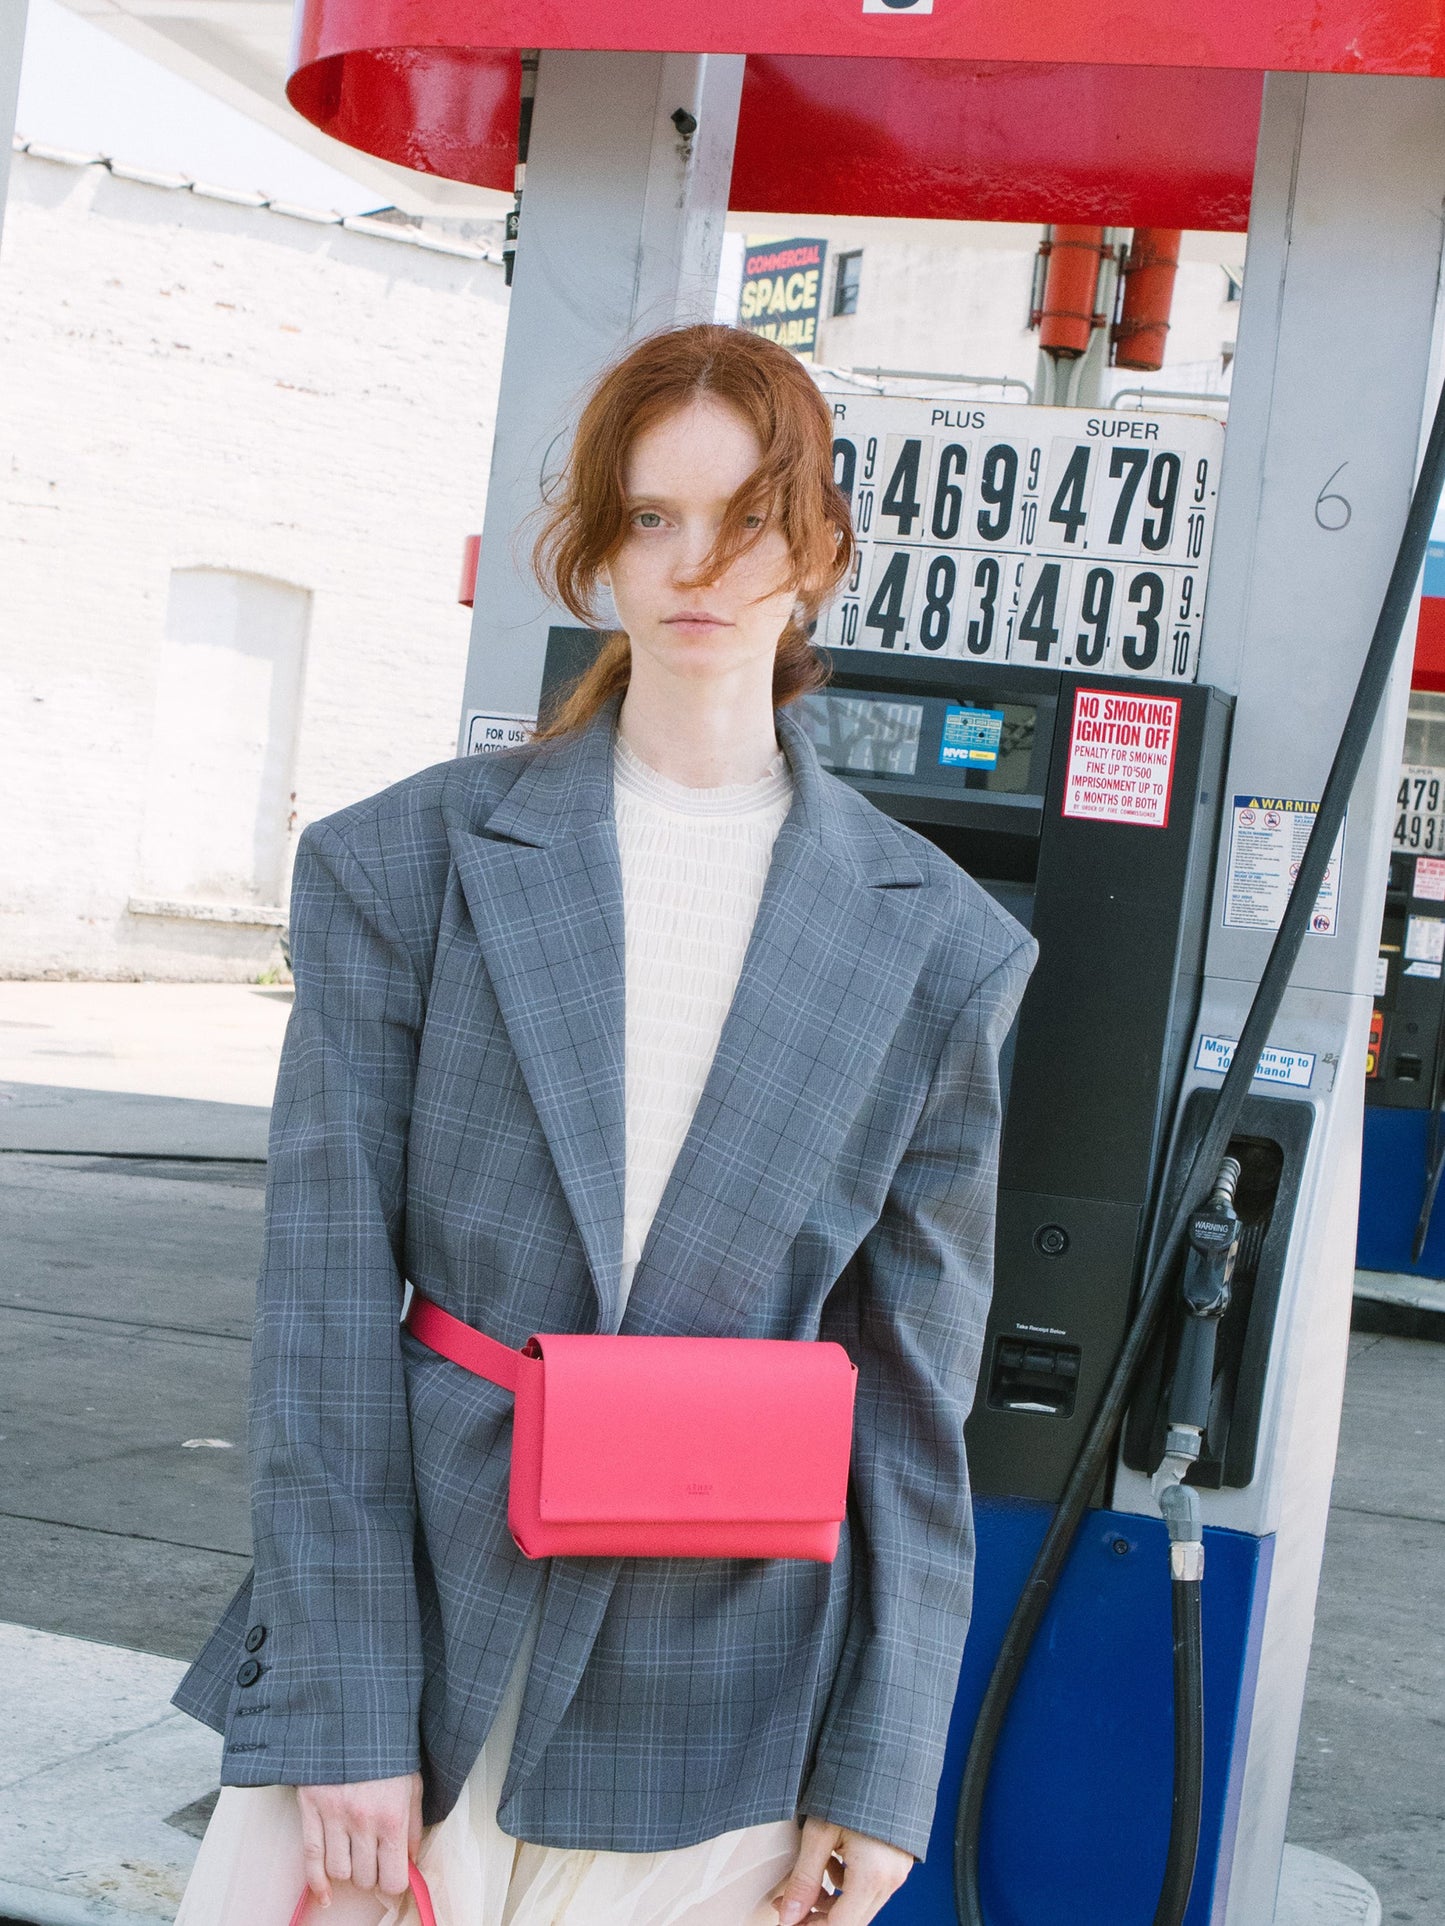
<point>1186,1606</point>
<point>1097,1449</point>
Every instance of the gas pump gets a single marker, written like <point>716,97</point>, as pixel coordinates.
<point>1404,1141</point>
<point>1142,795</point>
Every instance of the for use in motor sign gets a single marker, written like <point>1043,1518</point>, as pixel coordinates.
<point>486,734</point>
<point>1121,757</point>
<point>1266,844</point>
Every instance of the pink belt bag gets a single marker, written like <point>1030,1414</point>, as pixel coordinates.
<point>425,1912</point>
<point>666,1447</point>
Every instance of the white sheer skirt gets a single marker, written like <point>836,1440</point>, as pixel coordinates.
<point>249,1871</point>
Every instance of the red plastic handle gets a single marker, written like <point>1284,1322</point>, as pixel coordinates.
<point>418,1890</point>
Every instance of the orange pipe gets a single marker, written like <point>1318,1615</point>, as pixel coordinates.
<point>1143,325</point>
<point>1071,287</point>
<point>471,556</point>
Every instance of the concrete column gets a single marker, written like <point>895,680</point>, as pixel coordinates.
<point>621,234</point>
<point>12,46</point>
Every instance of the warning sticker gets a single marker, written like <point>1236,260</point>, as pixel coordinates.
<point>1425,939</point>
<point>1429,879</point>
<point>1121,757</point>
<point>1296,1067</point>
<point>1267,840</point>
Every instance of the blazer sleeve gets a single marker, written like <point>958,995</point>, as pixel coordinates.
<point>924,1277</point>
<point>332,1692</point>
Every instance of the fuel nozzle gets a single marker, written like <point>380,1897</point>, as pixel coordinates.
<point>1208,1272</point>
<point>1211,1248</point>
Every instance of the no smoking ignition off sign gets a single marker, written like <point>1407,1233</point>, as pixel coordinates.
<point>1121,757</point>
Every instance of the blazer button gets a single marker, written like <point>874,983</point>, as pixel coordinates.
<point>249,1673</point>
<point>255,1638</point>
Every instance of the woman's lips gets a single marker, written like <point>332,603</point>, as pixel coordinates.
<point>693,619</point>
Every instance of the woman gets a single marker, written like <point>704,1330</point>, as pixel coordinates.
<point>651,1024</point>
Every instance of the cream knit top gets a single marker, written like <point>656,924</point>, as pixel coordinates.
<point>694,862</point>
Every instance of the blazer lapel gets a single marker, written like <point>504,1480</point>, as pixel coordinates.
<point>544,890</point>
<point>842,932</point>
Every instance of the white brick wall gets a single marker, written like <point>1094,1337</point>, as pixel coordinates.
<point>185,383</point>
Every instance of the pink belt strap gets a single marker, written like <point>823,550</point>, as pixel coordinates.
<point>463,1344</point>
<point>418,1890</point>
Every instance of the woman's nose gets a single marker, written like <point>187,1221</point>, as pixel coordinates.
<point>691,552</point>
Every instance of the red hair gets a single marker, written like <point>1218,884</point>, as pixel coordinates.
<point>793,485</point>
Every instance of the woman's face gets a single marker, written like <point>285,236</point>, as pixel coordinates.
<point>681,474</point>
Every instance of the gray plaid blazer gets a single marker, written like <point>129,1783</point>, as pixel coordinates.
<point>450,1109</point>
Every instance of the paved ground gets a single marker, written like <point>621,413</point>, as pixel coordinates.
<point>124,1307</point>
<point>1370,1777</point>
<point>159,1069</point>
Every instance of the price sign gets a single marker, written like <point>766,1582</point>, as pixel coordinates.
<point>1420,809</point>
<point>1061,537</point>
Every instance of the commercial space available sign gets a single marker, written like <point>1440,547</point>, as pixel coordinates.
<point>782,292</point>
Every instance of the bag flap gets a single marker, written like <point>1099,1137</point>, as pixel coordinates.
<point>737,1429</point>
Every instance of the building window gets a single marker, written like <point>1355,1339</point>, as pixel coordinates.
<point>1233,283</point>
<point>845,285</point>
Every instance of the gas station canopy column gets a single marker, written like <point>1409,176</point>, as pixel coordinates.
<point>626,193</point>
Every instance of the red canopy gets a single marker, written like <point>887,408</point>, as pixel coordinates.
<point>1313,36</point>
<point>984,109</point>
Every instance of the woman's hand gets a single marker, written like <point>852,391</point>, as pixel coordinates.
<point>365,1833</point>
<point>869,1872</point>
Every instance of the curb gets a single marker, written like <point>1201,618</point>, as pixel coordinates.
<point>1399,1304</point>
<point>1315,1891</point>
<point>39,1908</point>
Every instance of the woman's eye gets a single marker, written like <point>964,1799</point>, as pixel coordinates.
<point>648,518</point>
<point>752,521</point>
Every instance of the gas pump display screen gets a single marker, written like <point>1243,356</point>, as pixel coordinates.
<point>1060,538</point>
<point>957,744</point>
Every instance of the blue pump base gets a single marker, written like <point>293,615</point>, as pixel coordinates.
<point>1392,1188</point>
<point>1076,1823</point>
